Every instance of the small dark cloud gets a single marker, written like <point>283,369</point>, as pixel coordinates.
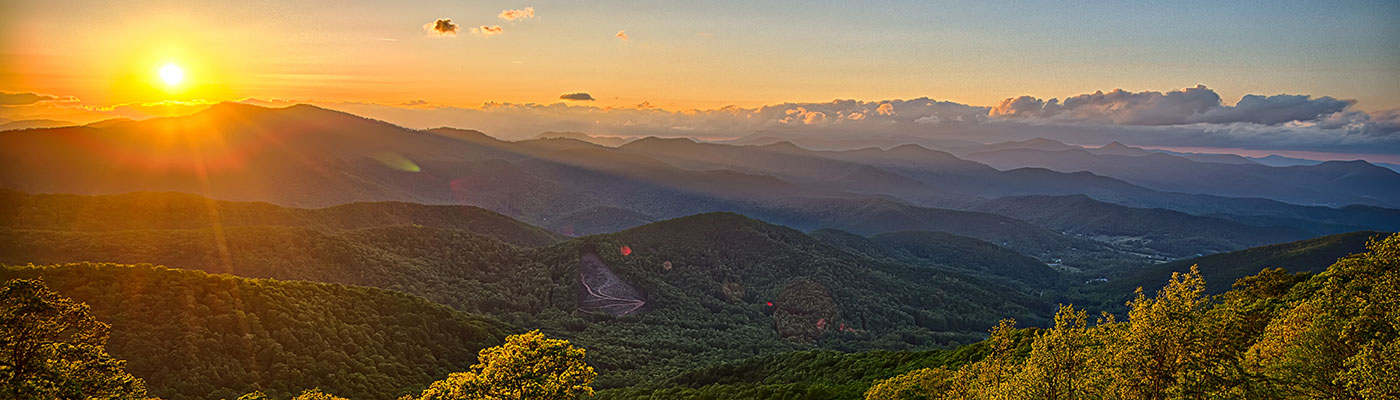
<point>20,99</point>
<point>442,27</point>
<point>412,103</point>
<point>512,15</point>
<point>622,35</point>
<point>580,96</point>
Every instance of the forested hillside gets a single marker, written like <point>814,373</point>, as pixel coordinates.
<point>701,292</point>
<point>146,211</point>
<point>1163,231</point>
<point>192,335</point>
<point>1276,335</point>
<point>707,280</point>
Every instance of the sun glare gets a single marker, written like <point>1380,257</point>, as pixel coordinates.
<point>172,75</point>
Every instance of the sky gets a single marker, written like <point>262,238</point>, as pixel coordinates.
<point>417,61</point>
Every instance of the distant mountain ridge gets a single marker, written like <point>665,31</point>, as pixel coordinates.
<point>1331,182</point>
<point>307,156</point>
<point>610,141</point>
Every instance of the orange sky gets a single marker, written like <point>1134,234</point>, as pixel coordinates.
<point>683,56</point>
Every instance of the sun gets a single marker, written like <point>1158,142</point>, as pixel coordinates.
<point>172,75</point>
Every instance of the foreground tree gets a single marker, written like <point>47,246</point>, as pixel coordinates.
<point>921,384</point>
<point>1275,336</point>
<point>51,348</point>
<point>309,394</point>
<point>1343,340</point>
<point>527,366</point>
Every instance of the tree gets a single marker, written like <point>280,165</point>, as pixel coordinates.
<point>1057,366</point>
<point>316,394</point>
<point>527,366</point>
<point>1155,354</point>
<point>921,384</point>
<point>1343,340</point>
<point>990,377</point>
<point>51,348</point>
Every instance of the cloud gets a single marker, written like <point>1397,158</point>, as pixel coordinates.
<point>512,15</point>
<point>622,35</point>
<point>885,109</point>
<point>1186,106</point>
<point>1191,117</point>
<point>488,30</point>
<point>442,27</point>
<point>938,124</point>
<point>580,96</point>
<point>20,99</point>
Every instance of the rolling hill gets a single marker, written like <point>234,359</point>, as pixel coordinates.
<point>1172,233</point>
<point>191,335</point>
<point>705,279</point>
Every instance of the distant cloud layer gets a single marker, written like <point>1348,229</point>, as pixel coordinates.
<point>1191,117</point>
<point>20,99</point>
<point>1185,106</point>
<point>442,27</point>
<point>512,15</point>
<point>580,96</point>
<point>488,30</point>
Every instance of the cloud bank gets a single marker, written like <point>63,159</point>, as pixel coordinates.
<point>1191,117</point>
<point>20,99</point>
<point>442,27</point>
<point>1186,106</point>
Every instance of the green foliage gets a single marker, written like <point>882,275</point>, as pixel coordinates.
<point>945,250</point>
<point>527,367</point>
<point>1154,230</point>
<point>165,211</point>
<point>1312,255</point>
<point>1275,336</point>
<point>915,385</point>
<point>821,374</point>
<point>1342,339</point>
<point>191,335</point>
<point>316,394</point>
<point>709,308</point>
<point>52,347</point>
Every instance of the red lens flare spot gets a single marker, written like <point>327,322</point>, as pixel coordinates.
<point>626,251</point>
<point>770,304</point>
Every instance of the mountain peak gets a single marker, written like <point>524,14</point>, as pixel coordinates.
<point>1118,148</point>
<point>782,145</point>
<point>1035,143</point>
<point>653,141</point>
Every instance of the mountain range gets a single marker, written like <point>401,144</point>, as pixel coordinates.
<point>307,156</point>
<point>662,256</point>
